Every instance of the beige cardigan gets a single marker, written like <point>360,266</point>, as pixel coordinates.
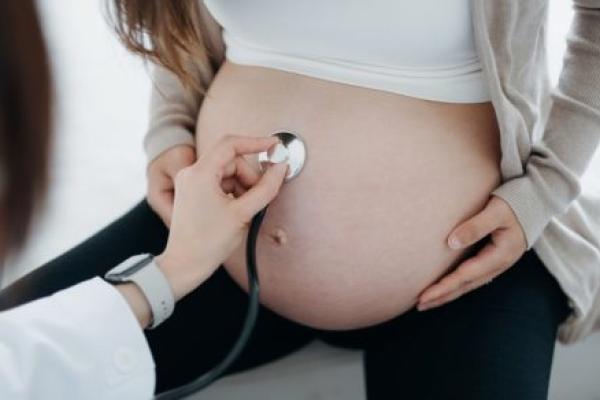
<point>548,135</point>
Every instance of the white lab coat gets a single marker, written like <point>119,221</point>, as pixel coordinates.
<point>80,343</point>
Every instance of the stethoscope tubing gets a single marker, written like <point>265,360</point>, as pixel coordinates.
<point>250,321</point>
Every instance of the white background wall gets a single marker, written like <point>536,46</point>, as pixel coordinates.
<point>98,168</point>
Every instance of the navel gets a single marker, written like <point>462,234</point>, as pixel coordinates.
<point>278,236</point>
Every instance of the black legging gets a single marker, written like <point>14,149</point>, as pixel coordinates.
<point>494,343</point>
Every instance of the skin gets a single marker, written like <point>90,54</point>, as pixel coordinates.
<point>161,174</point>
<point>216,198</point>
<point>228,98</point>
<point>505,246</point>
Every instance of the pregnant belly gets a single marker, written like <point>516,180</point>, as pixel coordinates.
<point>354,239</point>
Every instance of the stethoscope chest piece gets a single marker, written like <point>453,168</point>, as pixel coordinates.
<point>291,150</point>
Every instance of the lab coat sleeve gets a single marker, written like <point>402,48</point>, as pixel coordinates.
<point>80,343</point>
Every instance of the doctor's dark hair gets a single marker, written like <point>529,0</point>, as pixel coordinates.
<point>24,120</point>
<point>172,33</point>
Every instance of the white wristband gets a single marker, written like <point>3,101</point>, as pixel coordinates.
<point>153,283</point>
<point>143,271</point>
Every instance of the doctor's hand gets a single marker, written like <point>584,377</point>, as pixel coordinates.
<point>215,200</point>
<point>505,246</point>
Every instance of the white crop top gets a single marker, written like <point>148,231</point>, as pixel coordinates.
<point>418,48</point>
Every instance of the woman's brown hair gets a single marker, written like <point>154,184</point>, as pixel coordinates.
<point>24,120</point>
<point>177,34</point>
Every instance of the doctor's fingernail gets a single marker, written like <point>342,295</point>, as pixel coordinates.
<point>454,243</point>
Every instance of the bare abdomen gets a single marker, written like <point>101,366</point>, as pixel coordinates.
<point>362,230</point>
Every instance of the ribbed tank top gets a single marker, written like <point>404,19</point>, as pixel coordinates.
<point>422,49</point>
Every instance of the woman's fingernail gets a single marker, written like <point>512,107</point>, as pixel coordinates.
<point>454,243</point>
<point>423,307</point>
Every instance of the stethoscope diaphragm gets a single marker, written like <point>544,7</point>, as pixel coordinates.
<point>291,150</point>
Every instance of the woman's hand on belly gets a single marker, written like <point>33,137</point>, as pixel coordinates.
<point>506,245</point>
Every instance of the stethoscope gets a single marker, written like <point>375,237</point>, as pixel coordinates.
<point>293,151</point>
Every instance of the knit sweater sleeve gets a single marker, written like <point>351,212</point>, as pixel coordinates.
<point>173,110</point>
<point>557,161</point>
<point>173,106</point>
